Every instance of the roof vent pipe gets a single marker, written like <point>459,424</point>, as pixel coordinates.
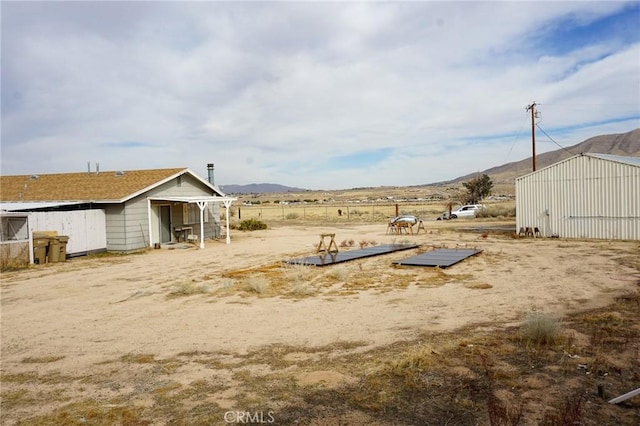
<point>210,173</point>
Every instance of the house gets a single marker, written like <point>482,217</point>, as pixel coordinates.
<point>585,196</point>
<point>132,209</point>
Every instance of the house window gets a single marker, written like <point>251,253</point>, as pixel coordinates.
<point>191,213</point>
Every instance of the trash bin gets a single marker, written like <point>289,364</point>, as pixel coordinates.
<point>63,239</point>
<point>40,246</point>
<point>54,249</point>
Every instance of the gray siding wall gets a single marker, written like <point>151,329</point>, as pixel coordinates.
<point>583,197</point>
<point>128,223</point>
<point>115,220</point>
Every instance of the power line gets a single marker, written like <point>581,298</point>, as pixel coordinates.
<point>551,139</point>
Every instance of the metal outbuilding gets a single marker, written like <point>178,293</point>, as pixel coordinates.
<point>585,196</point>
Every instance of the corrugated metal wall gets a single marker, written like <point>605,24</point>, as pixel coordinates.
<point>581,197</point>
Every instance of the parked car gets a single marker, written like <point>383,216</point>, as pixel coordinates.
<point>469,210</point>
<point>444,216</point>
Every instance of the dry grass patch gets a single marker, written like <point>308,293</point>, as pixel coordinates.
<point>339,273</point>
<point>478,286</point>
<point>256,284</point>
<point>138,358</point>
<point>188,289</point>
<point>91,412</point>
<point>476,375</point>
<point>541,329</point>
<point>42,360</point>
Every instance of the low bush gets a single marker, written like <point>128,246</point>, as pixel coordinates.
<point>257,284</point>
<point>252,225</point>
<point>497,211</point>
<point>541,329</point>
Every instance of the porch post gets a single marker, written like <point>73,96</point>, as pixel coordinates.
<point>202,205</point>
<point>227,204</point>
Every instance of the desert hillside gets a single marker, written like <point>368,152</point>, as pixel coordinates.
<point>617,144</point>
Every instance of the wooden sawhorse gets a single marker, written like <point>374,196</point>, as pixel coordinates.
<point>322,247</point>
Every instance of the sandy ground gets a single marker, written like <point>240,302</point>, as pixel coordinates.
<point>91,310</point>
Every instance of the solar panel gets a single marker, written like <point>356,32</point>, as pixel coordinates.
<point>325,259</point>
<point>441,257</point>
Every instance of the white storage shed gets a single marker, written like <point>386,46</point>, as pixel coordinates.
<point>585,196</point>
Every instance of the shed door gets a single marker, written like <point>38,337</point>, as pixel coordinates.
<point>165,224</point>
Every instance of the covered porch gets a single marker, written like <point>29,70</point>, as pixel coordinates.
<point>161,220</point>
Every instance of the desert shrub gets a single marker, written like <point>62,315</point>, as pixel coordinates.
<point>252,225</point>
<point>227,283</point>
<point>302,288</point>
<point>541,329</point>
<point>503,413</point>
<point>568,412</point>
<point>257,284</point>
<point>188,289</point>
<point>292,215</point>
<point>14,257</point>
<point>347,243</point>
<point>339,272</point>
<point>497,211</point>
<point>411,364</point>
<point>295,272</point>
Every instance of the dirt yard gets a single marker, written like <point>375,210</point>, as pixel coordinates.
<point>229,335</point>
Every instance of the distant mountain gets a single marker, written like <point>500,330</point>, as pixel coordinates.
<point>627,144</point>
<point>258,188</point>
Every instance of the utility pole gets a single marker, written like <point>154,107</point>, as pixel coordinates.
<point>532,107</point>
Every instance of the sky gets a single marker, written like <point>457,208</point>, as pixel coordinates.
<point>315,95</point>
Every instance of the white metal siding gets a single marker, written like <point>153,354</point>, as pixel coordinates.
<point>86,229</point>
<point>582,197</point>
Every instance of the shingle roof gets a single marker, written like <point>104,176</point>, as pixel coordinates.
<point>103,186</point>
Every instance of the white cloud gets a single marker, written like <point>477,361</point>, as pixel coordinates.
<point>272,92</point>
